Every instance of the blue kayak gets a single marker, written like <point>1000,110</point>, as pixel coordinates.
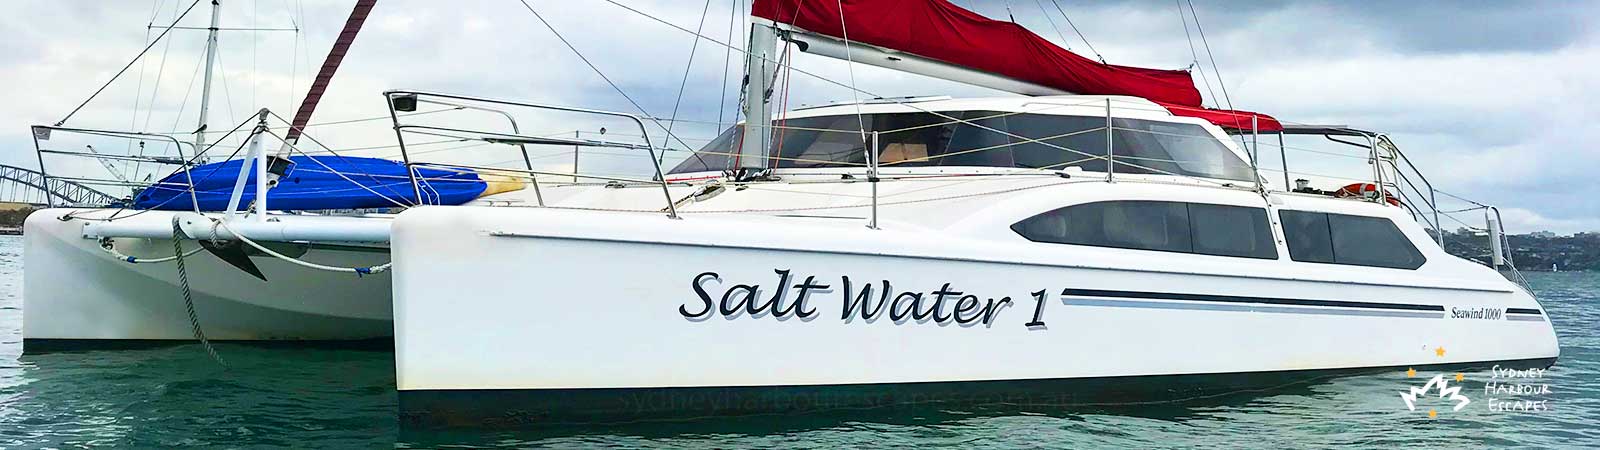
<point>315,183</point>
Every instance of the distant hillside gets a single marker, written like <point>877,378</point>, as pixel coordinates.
<point>1533,252</point>
<point>12,214</point>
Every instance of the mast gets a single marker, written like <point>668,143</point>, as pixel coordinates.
<point>205,88</point>
<point>760,67</point>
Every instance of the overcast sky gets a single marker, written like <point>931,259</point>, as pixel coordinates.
<point>1494,100</point>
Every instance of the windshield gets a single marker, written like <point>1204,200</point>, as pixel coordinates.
<point>985,139</point>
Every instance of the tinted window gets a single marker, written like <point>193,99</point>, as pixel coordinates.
<point>1128,224</point>
<point>1371,241</point>
<point>1175,148</point>
<point>1148,225</point>
<point>1307,235</point>
<point>1231,231</point>
<point>1347,239</point>
<point>998,139</point>
<point>903,140</point>
<point>717,155</point>
<point>819,142</point>
<point>1062,141</point>
<point>973,143</point>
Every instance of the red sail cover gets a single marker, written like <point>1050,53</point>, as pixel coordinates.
<point>1238,120</point>
<point>940,30</point>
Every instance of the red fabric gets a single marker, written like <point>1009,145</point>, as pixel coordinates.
<point>940,30</point>
<point>1238,120</point>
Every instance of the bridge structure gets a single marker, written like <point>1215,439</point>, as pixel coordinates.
<point>24,185</point>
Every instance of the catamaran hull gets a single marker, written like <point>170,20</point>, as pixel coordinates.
<point>572,317</point>
<point>78,295</point>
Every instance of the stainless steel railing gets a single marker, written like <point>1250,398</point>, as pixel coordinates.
<point>44,136</point>
<point>1395,174</point>
<point>405,101</point>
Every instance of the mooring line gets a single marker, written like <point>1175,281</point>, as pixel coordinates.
<point>188,297</point>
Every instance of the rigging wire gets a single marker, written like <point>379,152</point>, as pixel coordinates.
<point>850,64</point>
<point>1080,33</point>
<point>255,38</point>
<point>727,58</point>
<point>160,69</point>
<point>135,59</point>
<point>1053,26</point>
<point>138,91</point>
<point>597,70</point>
<point>1457,197</point>
<point>295,148</point>
<point>226,93</point>
<point>294,60</point>
<point>783,105</point>
<point>183,105</point>
<point>1195,62</point>
<point>1212,56</point>
<point>854,89</point>
<point>367,119</point>
<point>688,67</point>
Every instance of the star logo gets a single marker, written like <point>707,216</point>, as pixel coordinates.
<point>1460,377</point>
<point>1439,351</point>
<point>1411,373</point>
<point>1432,414</point>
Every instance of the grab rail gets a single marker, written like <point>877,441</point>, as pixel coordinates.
<point>1395,174</point>
<point>43,133</point>
<point>394,99</point>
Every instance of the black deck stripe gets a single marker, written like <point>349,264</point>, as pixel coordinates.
<point>1523,311</point>
<point>1262,300</point>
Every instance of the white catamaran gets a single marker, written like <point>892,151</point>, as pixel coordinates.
<point>1100,238</point>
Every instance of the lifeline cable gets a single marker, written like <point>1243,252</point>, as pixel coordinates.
<point>188,297</point>
<point>130,64</point>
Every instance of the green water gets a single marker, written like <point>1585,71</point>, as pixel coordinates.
<point>324,398</point>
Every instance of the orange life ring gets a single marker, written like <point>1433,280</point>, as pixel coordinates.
<point>1365,190</point>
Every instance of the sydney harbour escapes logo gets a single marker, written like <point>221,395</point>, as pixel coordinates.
<point>1509,390</point>
<point>1444,389</point>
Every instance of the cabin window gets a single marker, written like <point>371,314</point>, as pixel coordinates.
<point>996,139</point>
<point>1062,142</point>
<point>973,143</point>
<point>718,155</point>
<point>1155,225</point>
<point>1224,230</point>
<point>1348,239</point>
<point>1307,235</point>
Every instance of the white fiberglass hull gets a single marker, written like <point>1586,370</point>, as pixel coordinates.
<point>76,294</point>
<point>553,316</point>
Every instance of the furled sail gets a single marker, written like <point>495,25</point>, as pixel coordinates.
<point>939,30</point>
